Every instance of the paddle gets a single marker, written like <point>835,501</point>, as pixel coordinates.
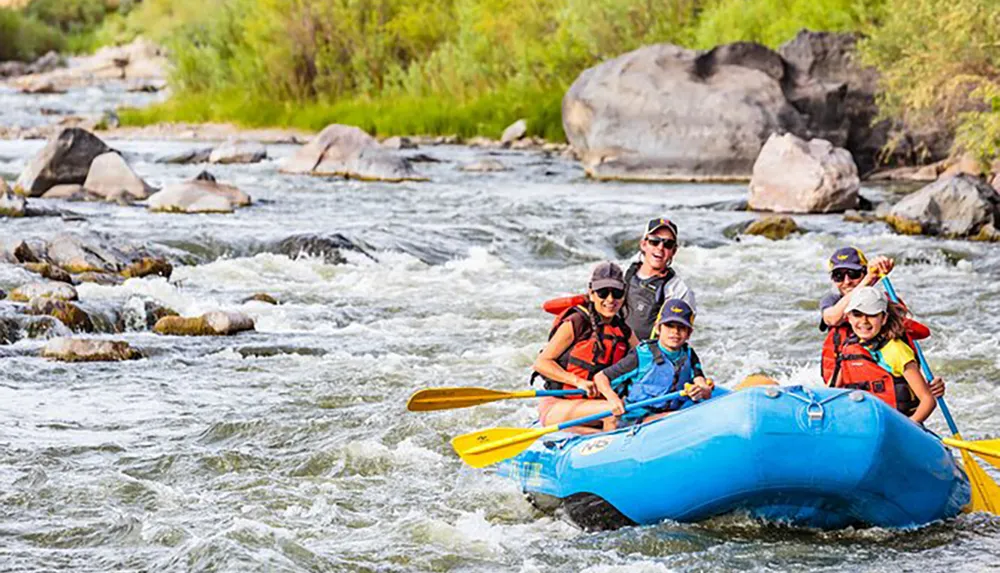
<point>985,492</point>
<point>450,398</point>
<point>486,447</point>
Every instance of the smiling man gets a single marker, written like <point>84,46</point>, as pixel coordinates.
<point>652,279</point>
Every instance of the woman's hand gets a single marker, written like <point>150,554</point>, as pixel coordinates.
<point>588,385</point>
<point>937,388</point>
<point>604,387</point>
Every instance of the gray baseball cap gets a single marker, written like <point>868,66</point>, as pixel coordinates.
<point>607,274</point>
<point>868,300</point>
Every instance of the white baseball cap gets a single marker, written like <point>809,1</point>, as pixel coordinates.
<point>868,300</point>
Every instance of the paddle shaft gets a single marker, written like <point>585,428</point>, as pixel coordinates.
<point>629,408</point>
<point>923,361</point>
<point>559,393</point>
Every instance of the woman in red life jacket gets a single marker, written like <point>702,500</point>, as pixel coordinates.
<point>584,340</point>
<point>876,358</point>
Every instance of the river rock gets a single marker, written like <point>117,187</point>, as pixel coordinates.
<point>76,256</point>
<point>110,175</point>
<point>39,86</point>
<point>514,131</point>
<point>197,197</point>
<point>66,158</point>
<point>89,350</point>
<point>147,266</point>
<point>956,206</point>
<point>795,176</point>
<point>52,290</point>
<point>106,279</point>
<point>348,151</point>
<point>68,313</point>
<point>70,192</point>
<point>261,297</point>
<point>49,271</point>
<point>327,246</point>
<point>484,166</point>
<point>210,323</point>
<point>772,227</point>
<point>235,151</point>
<point>398,142</point>
<point>10,330</point>
<point>11,204</point>
<point>187,156</point>
<point>140,313</point>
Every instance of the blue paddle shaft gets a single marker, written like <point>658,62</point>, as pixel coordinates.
<point>559,393</point>
<point>629,408</point>
<point>923,361</point>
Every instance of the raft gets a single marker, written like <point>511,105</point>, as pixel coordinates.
<point>812,457</point>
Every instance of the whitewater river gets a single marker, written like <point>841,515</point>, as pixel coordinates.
<point>290,449</point>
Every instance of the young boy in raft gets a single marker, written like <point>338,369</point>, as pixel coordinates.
<point>876,359</point>
<point>660,366</point>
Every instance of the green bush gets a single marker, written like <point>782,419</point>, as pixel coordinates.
<point>24,38</point>
<point>68,15</point>
<point>940,64</point>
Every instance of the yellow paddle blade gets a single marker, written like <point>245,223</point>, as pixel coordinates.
<point>486,447</point>
<point>985,491</point>
<point>988,450</point>
<point>449,398</point>
<point>755,380</point>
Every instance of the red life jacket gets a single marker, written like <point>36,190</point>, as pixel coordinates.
<point>854,367</point>
<point>592,351</point>
<point>839,335</point>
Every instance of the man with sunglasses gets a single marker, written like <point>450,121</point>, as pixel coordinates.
<point>651,280</point>
<point>849,269</point>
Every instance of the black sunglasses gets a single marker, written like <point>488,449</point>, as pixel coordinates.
<point>616,293</point>
<point>657,241</point>
<point>839,274</point>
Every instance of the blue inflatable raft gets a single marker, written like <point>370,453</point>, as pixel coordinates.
<point>814,457</point>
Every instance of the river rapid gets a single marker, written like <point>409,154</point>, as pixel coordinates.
<point>290,449</point>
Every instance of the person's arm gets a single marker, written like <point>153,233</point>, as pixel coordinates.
<point>604,387</point>
<point>702,385</point>
<point>834,314</point>
<point>633,341</point>
<point>918,385</point>
<point>547,366</point>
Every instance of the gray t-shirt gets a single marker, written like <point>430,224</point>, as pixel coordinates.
<point>824,303</point>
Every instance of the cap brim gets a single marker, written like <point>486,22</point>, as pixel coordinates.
<point>607,283</point>
<point>850,266</point>
<point>678,320</point>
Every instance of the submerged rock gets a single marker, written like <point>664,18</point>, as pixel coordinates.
<point>49,271</point>
<point>348,151</point>
<point>772,227</point>
<point>188,156</point>
<point>484,166</point>
<point>792,175</point>
<point>955,206</point>
<point>10,330</point>
<point>11,205</point>
<point>210,323</point>
<point>398,142</point>
<point>68,192</point>
<point>88,350</point>
<point>65,159</point>
<point>140,313</point>
<point>54,290</point>
<point>327,246</point>
<point>261,297</point>
<point>110,176</point>
<point>235,151</point>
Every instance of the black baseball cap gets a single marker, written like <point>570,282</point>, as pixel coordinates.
<point>607,274</point>
<point>656,224</point>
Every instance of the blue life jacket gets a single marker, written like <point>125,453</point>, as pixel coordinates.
<point>659,376</point>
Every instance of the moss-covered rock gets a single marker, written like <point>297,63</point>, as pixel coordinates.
<point>903,225</point>
<point>86,350</point>
<point>145,266</point>
<point>261,297</point>
<point>208,324</point>
<point>49,271</point>
<point>53,290</point>
<point>74,317</point>
<point>774,228</point>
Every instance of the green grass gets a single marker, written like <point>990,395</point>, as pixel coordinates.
<point>403,115</point>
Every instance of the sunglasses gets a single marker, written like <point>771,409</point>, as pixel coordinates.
<point>840,274</point>
<point>657,241</point>
<point>859,314</point>
<point>616,293</point>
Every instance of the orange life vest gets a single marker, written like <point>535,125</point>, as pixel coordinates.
<point>839,335</point>
<point>854,367</point>
<point>593,351</point>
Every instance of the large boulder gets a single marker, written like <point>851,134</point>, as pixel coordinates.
<point>830,58</point>
<point>51,290</point>
<point>77,256</point>
<point>956,206</point>
<point>88,350</point>
<point>348,151</point>
<point>65,159</point>
<point>110,175</point>
<point>663,112</point>
<point>210,323</point>
<point>792,175</point>
<point>235,151</point>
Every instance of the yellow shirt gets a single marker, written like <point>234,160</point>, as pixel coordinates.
<point>894,356</point>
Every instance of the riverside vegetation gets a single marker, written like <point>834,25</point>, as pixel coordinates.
<point>470,67</point>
